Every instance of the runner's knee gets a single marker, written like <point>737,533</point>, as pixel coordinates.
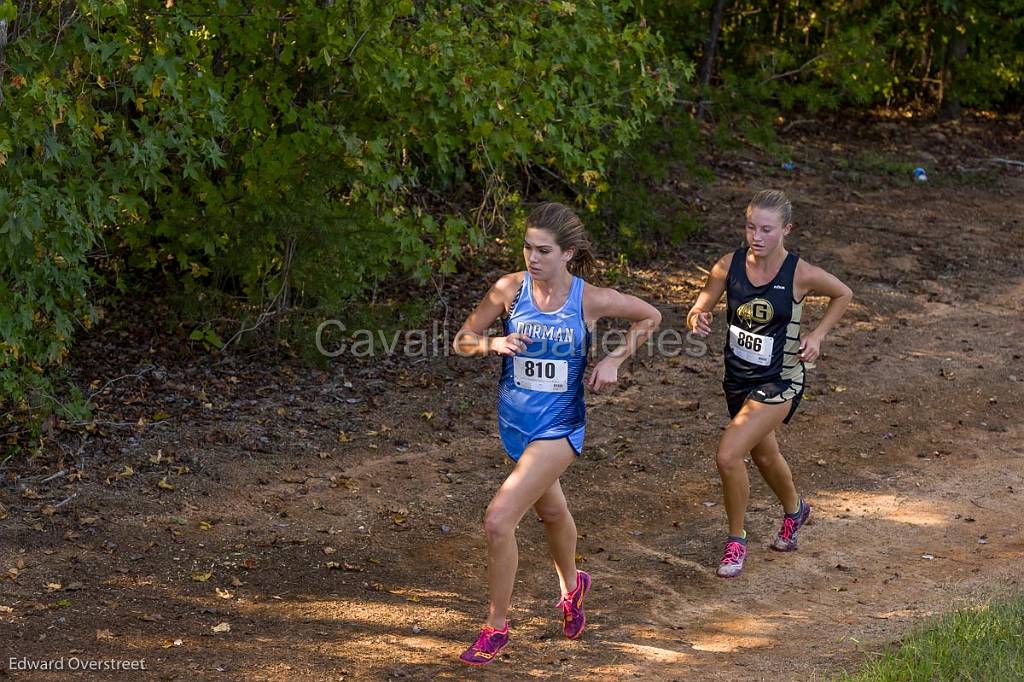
<point>728,460</point>
<point>498,524</point>
<point>763,457</point>
<point>552,512</point>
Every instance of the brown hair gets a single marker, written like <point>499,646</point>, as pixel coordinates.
<point>774,200</point>
<point>569,233</point>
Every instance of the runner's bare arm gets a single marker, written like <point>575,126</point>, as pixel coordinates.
<point>472,338</point>
<point>698,320</point>
<point>812,279</point>
<point>600,302</point>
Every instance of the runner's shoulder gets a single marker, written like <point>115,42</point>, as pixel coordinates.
<point>722,265</point>
<point>508,285</point>
<point>596,293</point>
<point>806,272</point>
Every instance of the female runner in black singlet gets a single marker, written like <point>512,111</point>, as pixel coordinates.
<point>764,362</point>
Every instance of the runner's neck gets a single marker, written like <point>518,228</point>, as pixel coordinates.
<point>770,264</point>
<point>547,292</point>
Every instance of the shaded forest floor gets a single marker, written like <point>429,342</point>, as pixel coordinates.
<point>331,519</point>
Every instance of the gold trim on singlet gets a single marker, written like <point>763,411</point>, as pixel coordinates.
<point>792,367</point>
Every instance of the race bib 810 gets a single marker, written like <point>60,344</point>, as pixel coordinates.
<point>548,376</point>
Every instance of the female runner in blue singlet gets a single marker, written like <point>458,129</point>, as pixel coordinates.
<point>548,313</point>
<point>764,362</point>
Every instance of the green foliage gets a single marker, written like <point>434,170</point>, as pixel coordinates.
<point>826,54</point>
<point>207,336</point>
<point>299,152</point>
<point>638,215</point>
<point>302,153</point>
<point>984,643</point>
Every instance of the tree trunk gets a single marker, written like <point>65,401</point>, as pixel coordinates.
<point>955,52</point>
<point>3,56</point>
<point>710,47</point>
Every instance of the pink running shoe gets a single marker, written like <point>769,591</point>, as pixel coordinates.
<point>732,559</point>
<point>487,646</point>
<point>785,541</point>
<point>574,620</point>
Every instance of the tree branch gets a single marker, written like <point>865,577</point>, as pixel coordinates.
<point>793,72</point>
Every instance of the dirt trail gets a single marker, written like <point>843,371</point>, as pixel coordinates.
<point>340,525</point>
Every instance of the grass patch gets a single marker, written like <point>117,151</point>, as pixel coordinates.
<point>881,164</point>
<point>981,643</point>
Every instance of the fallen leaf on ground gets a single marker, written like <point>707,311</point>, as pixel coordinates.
<point>222,627</point>
<point>202,577</point>
<point>164,484</point>
<point>104,634</point>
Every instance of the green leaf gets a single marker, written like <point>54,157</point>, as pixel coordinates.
<point>8,11</point>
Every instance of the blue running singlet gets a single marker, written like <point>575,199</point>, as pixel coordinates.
<point>540,394</point>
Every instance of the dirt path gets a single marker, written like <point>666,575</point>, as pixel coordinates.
<point>336,528</point>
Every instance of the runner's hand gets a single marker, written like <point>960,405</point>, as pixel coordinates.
<point>511,344</point>
<point>606,373</point>
<point>701,324</point>
<point>810,348</point>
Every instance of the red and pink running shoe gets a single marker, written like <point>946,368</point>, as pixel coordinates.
<point>785,541</point>
<point>573,619</point>
<point>487,646</point>
<point>732,558</point>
